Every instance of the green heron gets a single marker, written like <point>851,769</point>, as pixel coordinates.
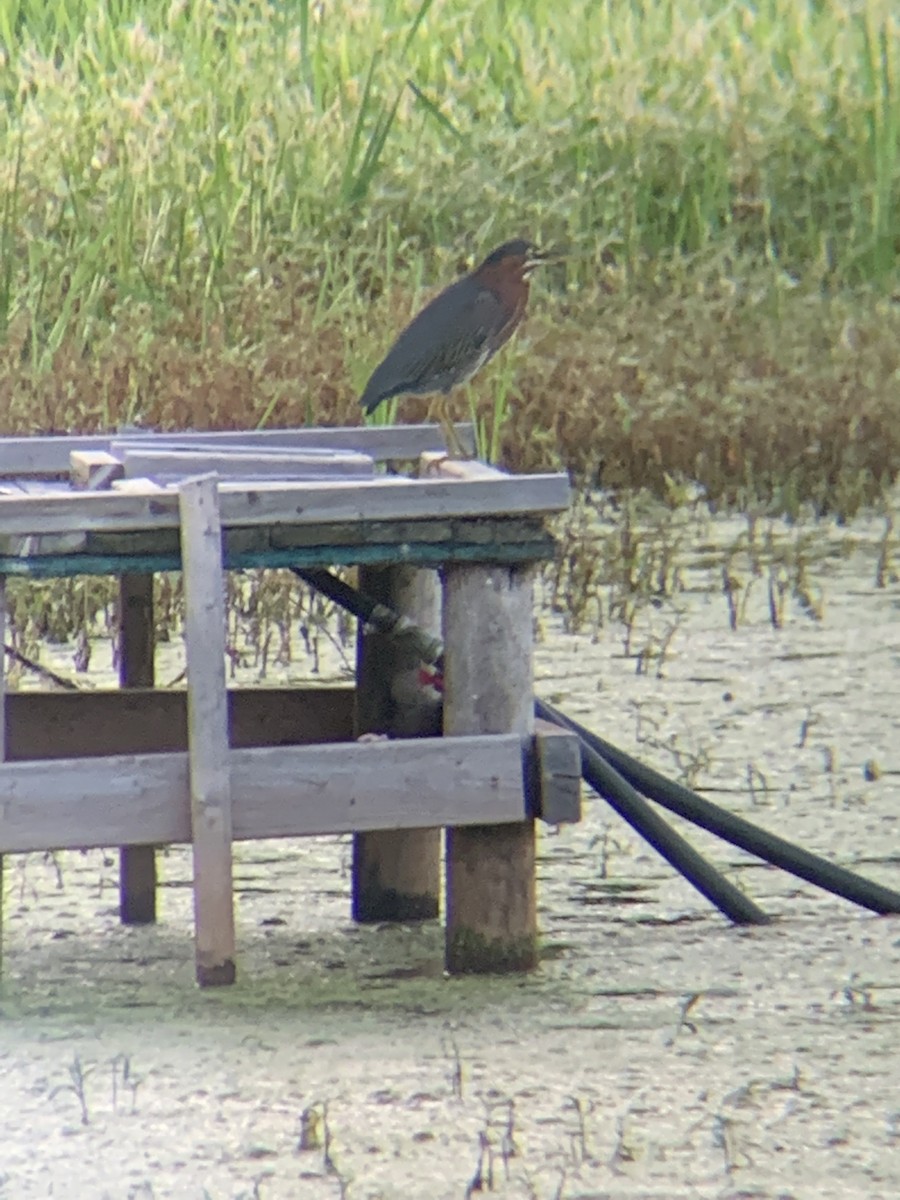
<point>458,331</point>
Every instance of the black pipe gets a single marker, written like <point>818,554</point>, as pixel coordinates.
<point>632,807</point>
<point>768,846</point>
<point>364,608</point>
<point>673,796</point>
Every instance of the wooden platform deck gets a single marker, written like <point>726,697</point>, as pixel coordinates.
<point>208,766</point>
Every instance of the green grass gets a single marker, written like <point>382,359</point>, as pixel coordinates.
<point>221,213</point>
<point>179,138</point>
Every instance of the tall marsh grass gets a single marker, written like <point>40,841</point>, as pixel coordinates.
<point>219,214</point>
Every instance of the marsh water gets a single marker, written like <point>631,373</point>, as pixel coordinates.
<point>658,1052</point>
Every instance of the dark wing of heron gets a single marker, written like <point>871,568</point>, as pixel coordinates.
<point>442,346</point>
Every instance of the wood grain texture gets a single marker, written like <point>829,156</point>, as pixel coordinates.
<point>23,456</point>
<point>137,644</point>
<point>3,692</point>
<point>208,752</point>
<point>386,498</point>
<point>175,462</point>
<point>396,872</point>
<point>284,791</point>
<point>503,538</point>
<point>329,554</point>
<point>52,725</point>
<point>479,530</point>
<point>438,466</point>
<point>491,905</point>
<point>94,469</point>
<point>2,737</point>
<point>557,758</point>
<point>136,486</point>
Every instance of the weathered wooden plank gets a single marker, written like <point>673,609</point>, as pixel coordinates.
<point>489,531</point>
<point>174,463</point>
<point>387,498</point>
<point>210,776</point>
<point>49,455</point>
<point>166,442</point>
<point>491,904</point>
<point>28,546</point>
<point>557,763</point>
<point>161,541</point>
<point>435,465</point>
<point>52,725</point>
<point>285,791</point>
<point>94,469</point>
<point>136,486</point>
<point>111,801</point>
<point>396,873</point>
<point>405,784</point>
<point>43,487</point>
<point>137,644</point>
<point>3,699</point>
<point>60,566</point>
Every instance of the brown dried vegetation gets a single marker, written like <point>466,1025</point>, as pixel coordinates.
<point>763,395</point>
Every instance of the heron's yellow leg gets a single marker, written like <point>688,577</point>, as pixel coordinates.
<point>454,445</point>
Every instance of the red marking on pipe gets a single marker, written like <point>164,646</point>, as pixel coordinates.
<point>428,677</point>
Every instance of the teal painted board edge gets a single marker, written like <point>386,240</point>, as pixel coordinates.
<point>60,566</point>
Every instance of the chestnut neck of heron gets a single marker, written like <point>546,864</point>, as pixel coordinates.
<point>510,283</point>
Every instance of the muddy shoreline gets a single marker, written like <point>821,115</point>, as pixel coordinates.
<point>600,1075</point>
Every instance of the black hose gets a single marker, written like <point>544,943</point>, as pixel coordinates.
<point>364,608</point>
<point>627,770</point>
<point>768,846</point>
<point>634,809</point>
<point>600,775</point>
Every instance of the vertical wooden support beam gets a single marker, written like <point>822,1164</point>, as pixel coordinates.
<point>137,864</point>
<point>210,778</point>
<point>488,653</point>
<point>2,729</point>
<point>396,872</point>
<point>94,470</point>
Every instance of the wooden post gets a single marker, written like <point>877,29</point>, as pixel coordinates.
<point>396,872</point>
<point>2,729</point>
<point>137,864</point>
<point>210,779</point>
<point>491,908</point>
<point>92,471</point>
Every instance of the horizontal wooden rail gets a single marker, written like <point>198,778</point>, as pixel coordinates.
<point>87,724</point>
<point>34,456</point>
<point>164,462</point>
<point>386,498</point>
<point>45,563</point>
<point>286,791</point>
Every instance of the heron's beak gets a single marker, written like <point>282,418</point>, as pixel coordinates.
<point>540,258</point>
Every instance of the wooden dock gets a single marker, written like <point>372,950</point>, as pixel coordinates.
<point>139,768</point>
